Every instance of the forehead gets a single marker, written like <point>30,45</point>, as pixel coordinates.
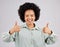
<point>29,11</point>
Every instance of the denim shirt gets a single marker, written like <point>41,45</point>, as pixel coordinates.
<point>30,37</point>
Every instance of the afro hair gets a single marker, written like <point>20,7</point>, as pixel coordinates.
<point>27,6</point>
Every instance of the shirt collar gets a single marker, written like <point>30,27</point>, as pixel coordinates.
<point>35,28</point>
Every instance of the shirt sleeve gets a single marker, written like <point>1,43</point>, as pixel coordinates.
<point>6,37</point>
<point>50,39</point>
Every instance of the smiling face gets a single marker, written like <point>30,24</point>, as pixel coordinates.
<point>29,16</point>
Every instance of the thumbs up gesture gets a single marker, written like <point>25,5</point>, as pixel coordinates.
<point>16,28</point>
<point>46,29</point>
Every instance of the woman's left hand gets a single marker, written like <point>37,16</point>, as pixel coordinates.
<point>46,29</point>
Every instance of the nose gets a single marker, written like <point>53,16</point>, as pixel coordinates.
<point>29,17</point>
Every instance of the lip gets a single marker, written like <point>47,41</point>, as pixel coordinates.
<point>30,20</point>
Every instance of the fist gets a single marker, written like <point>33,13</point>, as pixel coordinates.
<point>16,28</point>
<point>46,29</point>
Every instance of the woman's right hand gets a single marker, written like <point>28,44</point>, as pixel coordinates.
<point>16,28</point>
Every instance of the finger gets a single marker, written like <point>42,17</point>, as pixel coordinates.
<point>16,23</point>
<point>44,29</point>
<point>47,24</point>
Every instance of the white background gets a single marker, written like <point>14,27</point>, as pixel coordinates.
<point>50,12</point>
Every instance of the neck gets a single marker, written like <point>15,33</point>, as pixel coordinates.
<point>30,26</point>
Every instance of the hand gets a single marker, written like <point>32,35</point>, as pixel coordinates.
<point>46,29</point>
<point>16,28</point>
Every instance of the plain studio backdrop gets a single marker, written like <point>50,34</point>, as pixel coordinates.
<point>50,12</point>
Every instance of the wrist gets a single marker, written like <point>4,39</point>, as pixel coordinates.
<point>11,32</point>
<point>50,32</point>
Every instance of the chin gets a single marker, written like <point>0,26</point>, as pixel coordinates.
<point>29,22</point>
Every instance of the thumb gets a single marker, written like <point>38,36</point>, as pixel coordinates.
<point>47,24</point>
<point>16,23</point>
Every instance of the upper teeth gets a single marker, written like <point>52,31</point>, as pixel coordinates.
<point>29,20</point>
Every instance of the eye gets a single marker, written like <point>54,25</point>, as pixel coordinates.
<point>31,15</point>
<point>26,15</point>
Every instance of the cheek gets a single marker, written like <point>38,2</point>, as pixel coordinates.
<point>25,18</point>
<point>34,18</point>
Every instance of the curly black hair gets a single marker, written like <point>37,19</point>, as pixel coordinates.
<point>27,6</point>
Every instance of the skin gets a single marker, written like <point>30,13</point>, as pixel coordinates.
<point>29,16</point>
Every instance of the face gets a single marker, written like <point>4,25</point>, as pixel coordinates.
<point>29,16</point>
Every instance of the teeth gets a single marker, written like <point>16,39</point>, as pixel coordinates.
<point>29,20</point>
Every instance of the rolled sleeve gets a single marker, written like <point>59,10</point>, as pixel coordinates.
<point>50,39</point>
<point>6,37</point>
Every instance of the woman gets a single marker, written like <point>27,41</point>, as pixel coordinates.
<point>29,35</point>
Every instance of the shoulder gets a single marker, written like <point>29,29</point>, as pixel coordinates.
<point>23,25</point>
<point>38,28</point>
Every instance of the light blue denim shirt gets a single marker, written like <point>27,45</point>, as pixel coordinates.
<point>30,37</point>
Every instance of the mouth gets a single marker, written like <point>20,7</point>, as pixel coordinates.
<point>29,20</point>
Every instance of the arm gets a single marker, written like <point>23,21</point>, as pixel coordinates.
<point>49,36</point>
<point>8,38</point>
<point>11,35</point>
